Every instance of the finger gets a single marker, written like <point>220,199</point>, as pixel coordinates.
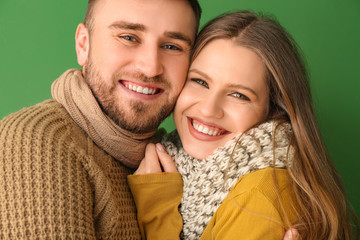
<point>291,234</point>
<point>166,161</point>
<point>150,163</point>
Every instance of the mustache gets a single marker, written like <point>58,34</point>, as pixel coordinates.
<point>129,75</point>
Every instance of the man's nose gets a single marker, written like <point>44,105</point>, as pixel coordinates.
<point>149,62</point>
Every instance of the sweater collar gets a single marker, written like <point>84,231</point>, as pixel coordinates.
<point>207,182</point>
<point>75,95</point>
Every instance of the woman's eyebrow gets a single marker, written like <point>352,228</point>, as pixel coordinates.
<point>243,87</point>
<point>204,75</point>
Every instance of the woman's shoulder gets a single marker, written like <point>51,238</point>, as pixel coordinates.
<point>266,181</point>
<point>254,201</point>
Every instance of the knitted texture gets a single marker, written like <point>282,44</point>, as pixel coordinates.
<point>71,90</point>
<point>207,182</point>
<point>55,183</point>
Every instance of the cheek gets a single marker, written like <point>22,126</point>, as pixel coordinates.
<point>266,109</point>
<point>246,117</point>
<point>186,99</point>
<point>177,118</point>
<point>184,102</point>
<point>110,55</point>
<point>176,70</point>
<point>265,103</point>
<point>178,110</point>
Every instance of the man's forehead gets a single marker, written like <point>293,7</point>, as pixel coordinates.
<point>136,8</point>
<point>147,15</point>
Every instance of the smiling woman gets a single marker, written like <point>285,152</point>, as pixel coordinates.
<point>225,93</point>
<point>267,165</point>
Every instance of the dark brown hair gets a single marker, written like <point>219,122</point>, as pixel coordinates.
<point>322,207</point>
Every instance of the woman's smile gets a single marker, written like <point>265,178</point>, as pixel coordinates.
<point>205,131</point>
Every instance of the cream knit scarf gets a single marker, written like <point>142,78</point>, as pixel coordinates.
<point>74,94</point>
<point>207,182</point>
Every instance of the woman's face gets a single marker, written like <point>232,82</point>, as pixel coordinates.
<point>225,94</point>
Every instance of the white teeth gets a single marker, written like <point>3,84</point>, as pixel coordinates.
<point>139,89</point>
<point>203,129</point>
<point>206,130</point>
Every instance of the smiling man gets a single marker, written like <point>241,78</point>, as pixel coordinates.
<point>136,64</point>
<point>64,161</point>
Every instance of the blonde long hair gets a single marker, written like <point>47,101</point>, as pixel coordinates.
<point>322,207</point>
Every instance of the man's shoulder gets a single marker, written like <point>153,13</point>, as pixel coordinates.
<point>40,132</point>
<point>46,119</point>
<point>49,108</point>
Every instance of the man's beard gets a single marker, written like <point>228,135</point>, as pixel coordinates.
<point>141,119</point>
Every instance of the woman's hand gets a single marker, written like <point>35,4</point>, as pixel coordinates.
<point>156,160</point>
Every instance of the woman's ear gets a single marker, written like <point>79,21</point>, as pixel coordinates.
<point>82,44</point>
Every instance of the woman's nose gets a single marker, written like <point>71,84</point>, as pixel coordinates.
<point>211,107</point>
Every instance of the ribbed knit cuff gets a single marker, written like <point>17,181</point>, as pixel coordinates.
<point>151,178</point>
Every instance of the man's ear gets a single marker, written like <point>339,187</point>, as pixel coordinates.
<point>82,44</point>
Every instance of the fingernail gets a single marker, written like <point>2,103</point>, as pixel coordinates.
<point>160,147</point>
<point>291,234</point>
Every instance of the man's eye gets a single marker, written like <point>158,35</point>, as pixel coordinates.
<point>200,82</point>
<point>240,96</point>
<point>172,47</point>
<point>129,38</point>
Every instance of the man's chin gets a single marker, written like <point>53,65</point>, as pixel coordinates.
<point>140,123</point>
<point>137,117</point>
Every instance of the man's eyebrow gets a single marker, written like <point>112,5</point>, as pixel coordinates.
<point>141,27</point>
<point>180,36</point>
<point>127,25</point>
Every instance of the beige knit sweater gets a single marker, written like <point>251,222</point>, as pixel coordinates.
<point>55,183</point>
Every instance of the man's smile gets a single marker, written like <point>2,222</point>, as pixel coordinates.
<point>147,90</point>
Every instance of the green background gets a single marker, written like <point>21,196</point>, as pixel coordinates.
<point>37,45</point>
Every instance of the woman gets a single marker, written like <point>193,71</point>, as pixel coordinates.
<point>251,156</point>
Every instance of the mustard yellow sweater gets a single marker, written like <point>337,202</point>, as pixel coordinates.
<point>251,211</point>
<point>55,183</point>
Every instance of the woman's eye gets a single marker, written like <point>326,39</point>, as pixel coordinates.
<point>240,96</point>
<point>200,82</point>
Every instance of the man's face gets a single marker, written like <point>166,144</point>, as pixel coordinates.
<point>138,57</point>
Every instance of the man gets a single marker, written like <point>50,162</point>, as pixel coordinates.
<point>64,162</point>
